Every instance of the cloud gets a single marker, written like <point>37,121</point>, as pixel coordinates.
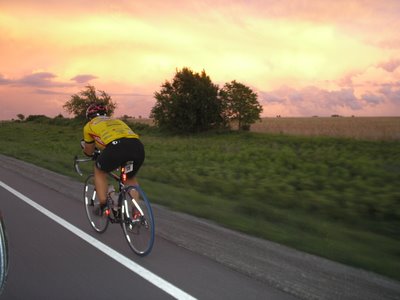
<point>372,77</point>
<point>344,97</point>
<point>271,97</point>
<point>373,99</point>
<point>391,92</point>
<point>40,79</point>
<point>37,79</point>
<point>3,81</point>
<point>83,78</point>
<point>312,100</point>
<point>45,79</point>
<point>119,95</point>
<point>49,92</point>
<point>390,66</point>
<point>130,95</point>
<point>349,79</point>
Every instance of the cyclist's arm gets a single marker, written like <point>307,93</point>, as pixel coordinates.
<point>89,144</point>
<point>89,148</point>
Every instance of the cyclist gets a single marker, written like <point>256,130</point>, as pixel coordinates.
<point>119,144</point>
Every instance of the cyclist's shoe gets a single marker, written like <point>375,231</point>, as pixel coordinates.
<point>100,209</point>
<point>138,218</point>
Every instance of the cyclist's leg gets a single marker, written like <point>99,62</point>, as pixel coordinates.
<point>101,183</point>
<point>134,151</point>
<point>105,163</point>
<point>133,181</point>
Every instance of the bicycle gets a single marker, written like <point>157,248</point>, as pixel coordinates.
<point>3,254</point>
<point>134,215</point>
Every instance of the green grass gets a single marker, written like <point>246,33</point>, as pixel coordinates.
<point>337,198</point>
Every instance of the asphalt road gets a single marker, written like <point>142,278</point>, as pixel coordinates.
<point>48,261</point>
<point>54,254</point>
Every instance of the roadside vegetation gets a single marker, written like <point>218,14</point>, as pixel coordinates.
<point>334,197</point>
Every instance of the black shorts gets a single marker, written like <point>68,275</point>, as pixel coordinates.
<point>119,152</point>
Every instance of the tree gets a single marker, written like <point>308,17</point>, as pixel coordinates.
<point>21,117</point>
<point>240,104</point>
<point>188,104</point>
<point>78,103</point>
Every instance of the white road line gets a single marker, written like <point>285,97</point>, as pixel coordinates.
<point>126,262</point>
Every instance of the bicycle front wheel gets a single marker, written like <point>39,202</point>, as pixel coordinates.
<point>3,255</point>
<point>91,201</point>
<point>137,221</point>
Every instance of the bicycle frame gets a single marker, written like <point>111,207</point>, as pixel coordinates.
<point>113,175</point>
<point>121,178</point>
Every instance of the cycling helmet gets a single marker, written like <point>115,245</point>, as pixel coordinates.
<point>95,110</point>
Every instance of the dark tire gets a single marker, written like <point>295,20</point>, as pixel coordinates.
<point>3,255</point>
<point>91,202</point>
<point>137,222</point>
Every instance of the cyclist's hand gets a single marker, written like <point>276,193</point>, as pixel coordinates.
<point>82,144</point>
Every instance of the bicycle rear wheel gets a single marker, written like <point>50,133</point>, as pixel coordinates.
<point>91,201</point>
<point>137,221</point>
<point>3,255</point>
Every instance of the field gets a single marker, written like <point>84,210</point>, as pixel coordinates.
<point>334,197</point>
<point>361,128</point>
<point>370,128</point>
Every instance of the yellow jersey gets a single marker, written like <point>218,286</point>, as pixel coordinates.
<point>103,130</point>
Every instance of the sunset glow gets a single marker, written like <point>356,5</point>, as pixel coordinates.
<point>303,58</point>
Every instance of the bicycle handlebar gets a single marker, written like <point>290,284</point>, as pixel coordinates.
<point>79,160</point>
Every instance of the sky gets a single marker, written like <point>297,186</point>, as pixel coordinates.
<point>302,58</point>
